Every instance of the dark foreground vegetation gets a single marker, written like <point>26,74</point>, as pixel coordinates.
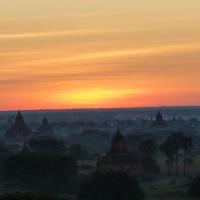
<point>110,185</point>
<point>69,173</point>
<point>25,196</point>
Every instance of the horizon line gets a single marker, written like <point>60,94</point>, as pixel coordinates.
<point>99,108</point>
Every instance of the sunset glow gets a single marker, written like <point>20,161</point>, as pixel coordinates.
<point>99,54</point>
<point>96,96</point>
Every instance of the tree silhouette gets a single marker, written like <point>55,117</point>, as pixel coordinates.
<point>187,146</point>
<point>171,148</point>
<point>78,152</point>
<point>148,147</point>
<point>25,196</point>
<point>167,149</point>
<point>176,146</point>
<point>109,184</point>
<point>40,173</point>
<point>47,144</point>
<point>194,189</point>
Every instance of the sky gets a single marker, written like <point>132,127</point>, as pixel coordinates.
<point>59,54</point>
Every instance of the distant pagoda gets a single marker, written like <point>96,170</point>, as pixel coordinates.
<point>118,154</point>
<point>19,130</point>
<point>159,121</point>
<point>45,129</point>
<point>118,145</point>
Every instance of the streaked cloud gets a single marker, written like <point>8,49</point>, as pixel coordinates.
<point>167,49</point>
<point>56,33</point>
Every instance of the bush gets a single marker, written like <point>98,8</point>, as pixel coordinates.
<point>110,184</point>
<point>194,189</point>
<point>40,173</point>
<point>44,144</point>
<point>24,196</point>
<point>150,165</point>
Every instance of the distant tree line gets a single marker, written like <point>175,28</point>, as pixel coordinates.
<point>176,147</point>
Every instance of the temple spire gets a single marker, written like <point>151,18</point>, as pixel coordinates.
<point>19,117</point>
<point>159,121</point>
<point>45,128</point>
<point>19,130</point>
<point>118,143</point>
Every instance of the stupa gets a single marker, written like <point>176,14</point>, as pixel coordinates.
<point>19,130</point>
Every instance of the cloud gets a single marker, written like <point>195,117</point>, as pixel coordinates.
<point>57,33</point>
<point>166,49</point>
<point>68,16</point>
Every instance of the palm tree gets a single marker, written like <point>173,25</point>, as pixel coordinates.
<point>166,149</point>
<point>186,146</point>
<point>176,145</point>
<point>171,148</point>
<point>148,147</point>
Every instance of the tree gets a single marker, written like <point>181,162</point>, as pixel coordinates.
<point>187,146</point>
<point>4,153</point>
<point>49,145</point>
<point>194,188</point>
<point>24,196</point>
<point>176,146</point>
<point>40,173</point>
<point>171,148</point>
<point>78,152</point>
<point>148,147</point>
<point>109,184</point>
<point>168,151</point>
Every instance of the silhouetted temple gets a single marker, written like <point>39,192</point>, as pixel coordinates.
<point>45,128</point>
<point>118,154</point>
<point>118,145</point>
<point>19,130</point>
<point>159,121</point>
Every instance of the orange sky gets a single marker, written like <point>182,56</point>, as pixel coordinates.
<point>99,53</point>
